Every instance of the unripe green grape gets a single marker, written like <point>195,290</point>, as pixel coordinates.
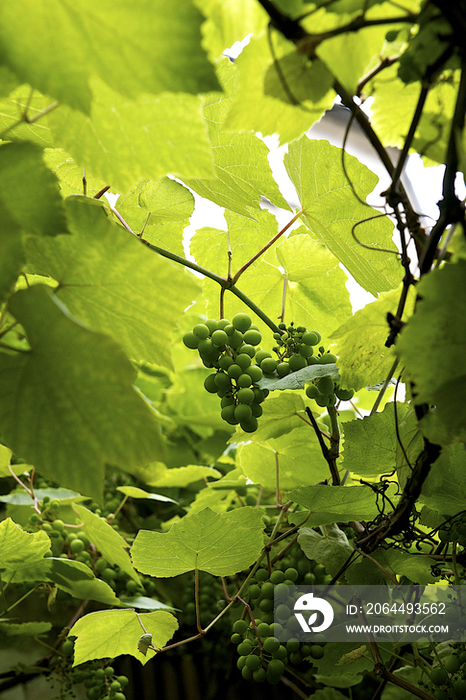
<point>227,401</point>
<point>246,672</point>
<point>219,338</point>
<point>76,546</point>
<point>262,355</point>
<point>253,662</point>
<point>109,672</point>
<point>201,331</point>
<point>254,372</point>
<point>325,385</point>
<point>235,341</point>
<point>271,645</point>
<point>244,380</point>
<point>243,360</point>
<point>245,648</point>
<point>241,662</point>
<point>344,394</point>
<point>243,412</point>
<point>236,638</point>
<point>313,360</point>
<point>210,384</point>
<point>58,525</point>
<point>266,605</point>
<point>101,564</point>
<point>119,696</point>
<point>240,626</point>
<point>256,410</point>
<point>252,337</point>
<point>249,426</point>
<point>242,322</point>
<point>115,686</point>
<point>291,573</point>
<point>251,500</point>
<point>297,362</point>
<point>311,338</point>
<point>276,667</point>
<point>283,368</point>
<point>212,324</point>
<point>245,395</point>
<point>268,365</point>
<point>267,590</point>
<point>254,591</point>
<point>295,658</point>
<point>247,350</point>
<point>439,676</point>
<point>322,400</point>
<point>67,647</point>
<point>312,391</point>
<point>190,340</point>
<point>234,371</point>
<point>206,348</point>
<point>225,362</point>
<point>222,380</point>
<point>328,358</point>
<point>229,329</point>
<point>131,586</point>
<point>452,663</point>
<point>223,323</point>
<point>108,575</point>
<point>259,675</point>
<point>228,414</point>
<point>277,576</point>
<point>263,629</point>
<point>306,351</point>
<point>262,575</point>
<point>260,394</point>
<point>392,35</point>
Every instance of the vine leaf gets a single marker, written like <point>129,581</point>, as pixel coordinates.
<point>20,551</point>
<point>111,282</point>
<point>50,50</point>
<point>297,380</point>
<point>331,209</point>
<point>433,348</point>
<point>54,404</point>
<point>331,549</point>
<point>337,503</point>
<point>222,545</point>
<point>445,487</point>
<point>110,633</point>
<point>78,580</point>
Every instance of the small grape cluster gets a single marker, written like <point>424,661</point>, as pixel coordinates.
<point>100,682</point>
<point>230,348</point>
<point>448,677</point>
<point>263,653</point>
<point>325,391</point>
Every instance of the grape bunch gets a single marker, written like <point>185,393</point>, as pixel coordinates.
<point>447,679</point>
<point>325,391</point>
<point>230,348</point>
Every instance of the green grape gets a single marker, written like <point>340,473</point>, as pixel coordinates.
<point>452,663</point>
<point>109,672</point>
<point>244,380</point>
<point>325,385</point>
<point>281,653</point>
<point>108,575</point>
<point>243,412</point>
<point>235,341</point>
<point>306,351</point>
<point>460,688</point>
<point>131,586</point>
<point>322,400</point>
<point>297,362</point>
<point>255,373</point>
<point>283,368</point>
<point>245,648</point>
<point>246,672</point>
<point>291,573</point>
<point>191,341</point>
<point>251,500</point>
<point>316,652</point>
<point>219,338</point>
<point>268,365</point>
<point>262,575</point>
<point>101,564</point>
<point>439,676</point>
<point>267,590</point>
<point>225,362</point>
<point>236,638</point>
<point>211,324</point>
<point>271,645</point>
<point>276,629</point>
<point>254,591</point>
<point>260,394</point>
<point>243,360</point>
<point>259,675</point>
<point>311,338</point>
<point>266,605</point>
<point>206,348</point>
<point>256,410</point>
<point>328,358</point>
<point>277,576</point>
<point>263,629</point>
<point>115,686</point>
<point>344,394</point>
<point>249,426</point>
<point>242,322</point>
<point>241,663</point>
<point>253,662</point>
<point>201,331</point>
<point>234,371</point>
<point>119,696</point>
<point>312,391</point>
<point>276,667</point>
<point>222,380</point>
<point>58,525</point>
<point>100,674</point>
<point>67,647</point>
<point>76,546</point>
<point>240,626</point>
<point>262,355</point>
<point>248,350</point>
<point>283,612</point>
<point>252,337</point>
<point>245,395</point>
<point>210,384</point>
<point>227,401</point>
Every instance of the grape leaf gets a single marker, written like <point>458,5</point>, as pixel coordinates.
<point>68,405</point>
<point>70,175</point>
<point>335,503</point>
<point>281,414</point>
<point>433,347</point>
<point>161,209</point>
<point>110,281</point>
<point>153,50</point>
<point>445,487</point>
<point>297,455</point>
<point>110,633</point>
<point>19,102</point>
<point>331,549</point>
<point>21,498</point>
<point>27,629</point>
<point>363,358</point>
<point>134,492</point>
<point>252,109</point>
<point>106,540</point>
<point>222,545</point>
<point>20,550</point>
<point>296,380</point>
<point>331,210</point>
<point>123,142</point>
<point>77,579</point>
<point>163,477</point>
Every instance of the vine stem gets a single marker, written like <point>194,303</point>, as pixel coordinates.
<point>225,284</point>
